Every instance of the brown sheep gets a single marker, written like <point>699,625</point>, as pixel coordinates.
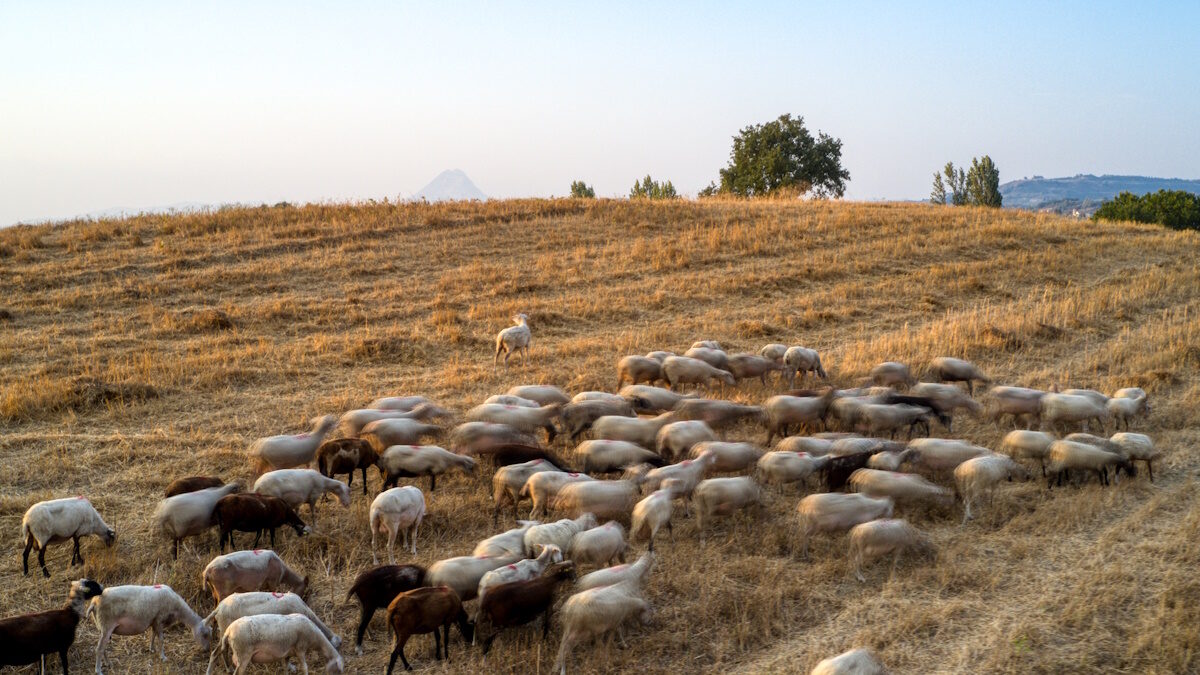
<point>377,587</point>
<point>252,512</point>
<point>192,484</point>
<point>425,610</point>
<point>346,455</point>
<point>520,602</point>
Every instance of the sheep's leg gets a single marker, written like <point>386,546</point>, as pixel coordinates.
<point>437,645</point>
<point>391,544</point>
<point>76,554</point>
<point>364,478</point>
<point>162,643</point>
<point>1150,468</point>
<point>303,661</point>
<point>102,646</point>
<point>42,561</point>
<point>398,650</point>
<point>966,509</point>
<point>25,556</point>
<point>363,620</point>
<point>432,482</point>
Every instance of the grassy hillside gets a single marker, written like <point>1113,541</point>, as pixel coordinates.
<point>136,351</point>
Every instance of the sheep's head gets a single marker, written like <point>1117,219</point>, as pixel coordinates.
<point>520,319</point>
<point>109,536</point>
<point>85,589</point>
<point>336,665</point>
<point>323,424</point>
<point>203,635</point>
<point>727,378</point>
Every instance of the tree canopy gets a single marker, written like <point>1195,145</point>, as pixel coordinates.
<point>581,190</point>
<point>781,156</point>
<point>979,186</point>
<point>648,188</point>
<point>1176,209</point>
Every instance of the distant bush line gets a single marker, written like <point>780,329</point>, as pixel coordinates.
<point>1176,209</point>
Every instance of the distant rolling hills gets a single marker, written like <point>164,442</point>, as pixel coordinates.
<point>1081,195</point>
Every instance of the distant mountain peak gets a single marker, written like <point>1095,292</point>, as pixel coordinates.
<point>450,185</point>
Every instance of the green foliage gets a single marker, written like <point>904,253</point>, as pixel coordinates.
<point>956,184</point>
<point>1176,209</point>
<point>581,190</point>
<point>983,183</point>
<point>781,156</point>
<point>711,190</point>
<point>938,196</point>
<point>648,188</point>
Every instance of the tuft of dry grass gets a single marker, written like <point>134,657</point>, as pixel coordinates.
<point>160,346</point>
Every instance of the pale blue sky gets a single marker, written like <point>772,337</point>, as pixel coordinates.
<point>145,104</point>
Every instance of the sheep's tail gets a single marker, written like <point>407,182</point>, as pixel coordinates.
<point>93,612</point>
<point>210,617</point>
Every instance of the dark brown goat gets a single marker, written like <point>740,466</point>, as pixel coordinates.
<point>192,484</point>
<point>838,469</point>
<point>346,455</point>
<point>942,415</point>
<point>519,602</point>
<point>27,638</point>
<point>252,512</point>
<point>377,587</point>
<point>425,610</point>
<point>506,454</point>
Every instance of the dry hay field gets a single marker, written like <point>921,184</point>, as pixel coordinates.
<point>139,350</point>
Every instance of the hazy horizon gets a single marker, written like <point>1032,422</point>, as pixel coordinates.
<point>140,105</point>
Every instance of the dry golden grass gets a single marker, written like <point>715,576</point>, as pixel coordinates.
<point>139,350</point>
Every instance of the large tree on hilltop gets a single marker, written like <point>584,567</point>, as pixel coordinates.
<point>781,156</point>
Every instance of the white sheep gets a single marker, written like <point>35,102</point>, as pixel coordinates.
<point>1065,408</point>
<point>597,612</point>
<point>977,478</point>
<point>773,351</point>
<point>681,370</point>
<point>876,538</point>
<point>412,461</point>
<point>854,662</point>
<point>398,510</point>
<point>256,570</point>
<point>599,545</point>
<point>638,369</point>
<point>352,423</point>
<point>400,431</point>
<point>900,487</point>
<point>806,411</point>
<point>707,344</point>
<point>947,398</point>
<point>463,573</point>
<point>1098,396</point>
<point>809,444</point>
<point>641,431</point>
<point>599,396</point>
<point>514,339</point>
<point>301,486</point>
<point>878,418</point>
<point>781,467</point>
<point>654,512</point>
<point>508,482</point>
<point>506,399</point>
<point>891,374</point>
<point>723,496</point>
<point>472,437</point>
<point>133,610</point>
<point>1137,447</point>
<point>943,454</point>
<point>637,572</point>
<point>888,460</point>
<point>603,456</point>
<point>543,487</point>
<point>677,438</point>
<point>747,366</point>
<point>1021,443</point>
<point>835,512</point>
<point>1066,455</point>
<point>801,360</point>
<point>660,355</point>
<point>509,542</point>
<point>528,420</point>
<point>264,638</point>
<point>727,457</point>
<point>1126,408</point>
<point>1020,402</point>
<point>605,498</point>
<point>59,520</point>
<point>252,603</point>
<point>653,399</point>
<point>544,394</point>
<point>188,514</point>
<point>949,369</point>
<point>557,534</point>
<point>286,452</point>
<point>687,475</point>
<point>403,403</point>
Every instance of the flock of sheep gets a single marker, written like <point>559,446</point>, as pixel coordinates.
<point>653,451</point>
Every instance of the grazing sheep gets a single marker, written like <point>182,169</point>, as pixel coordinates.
<point>946,399</point>
<point>265,638</point>
<point>934,407</point>
<point>544,394</point>
<point>255,570</point>
<point>605,498</point>
<point>878,418</point>
<point>191,484</point>
<point>773,351</point>
<point>414,461</point>
<point>715,357</point>
<point>256,513</point>
<point>977,478</point>
<point>508,481</point>
<point>854,662</point>
<point>542,487</point>
<point>517,453</point>
<point>382,434</point>
<point>660,355</point>
<point>28,638</point>
<point>376,587</point>
<point>189,514</point>
<point>347,455</point>
<point>707,344</point>
<point>687,475</point>
<point>462,574</point>
<point>853,445</point>
<point>425,610</point>
<point>746,366</point>
<point>398,510</point>
<point>1067,455</point>
<point>876,538</point>
<point>522,570</point>
<point>801,360</point>
<point>1020,443</point>
<point>599,546</point>
<point>579,417</point>
<point>653,399</point>
<point>638,369</point>
<point>889,460</point>
<point>943,454</point>
<point>57,520</point>
<point>900,487</point>
<point>780,467</point>
<point>727,457</point>
<point>846,410</point>
<point>836,512</point>
<point>717,414</point>
<point>676,439</point>
<point>469,437</point>
<point>809,444</point>
<point>604,456</point>
<point>401,403</point>
<point>723,496</point>
<point>286,452</point>
<point>681,370</point>
<point>632,429</point>
<point>301,486</point>
<point>505,399</point>
<point>510,341</point>
<point>1098,441</point>
<point>509,542</point>
<point>839,468</point>
<point>557,534</point>
<point>596,613</point>
<point>784,411</point>
<point>516,603</point>
<point>1098,396</point>
<point>1126,408</point>
<point>1019,402</point>
<point>133,610</point>
<point>1059,409</point>
<point>949,369</point>
<point>637,573</point>
<point>891,374</point>
<point>255,603</point>
<point>654,511</point>
<point>527,420</point>
<point>1137,447</point>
